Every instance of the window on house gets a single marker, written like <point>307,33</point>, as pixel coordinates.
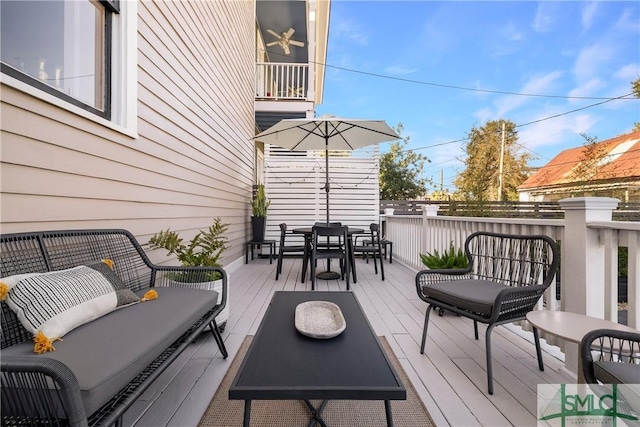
<point>62,48</point>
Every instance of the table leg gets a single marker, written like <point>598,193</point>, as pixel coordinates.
<point>316,414</point>
<point>387,410</point>
<point>247,413</point>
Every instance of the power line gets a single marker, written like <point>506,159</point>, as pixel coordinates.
<point>500,92</point>
<point>526,124</point>
<point>449,86</point>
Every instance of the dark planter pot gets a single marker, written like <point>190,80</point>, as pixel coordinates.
<point>259,226</point>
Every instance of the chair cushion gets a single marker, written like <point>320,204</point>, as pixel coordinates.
<point>107,353</point>
<point>616,372</point>
<point>472,295</point>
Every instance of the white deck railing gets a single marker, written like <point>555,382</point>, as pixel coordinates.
<point>281,80</point>
<point>589,263</point>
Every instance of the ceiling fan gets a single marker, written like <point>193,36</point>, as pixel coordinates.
<point>284,40</point>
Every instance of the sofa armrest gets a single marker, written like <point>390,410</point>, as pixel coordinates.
<point>516,301</point>
<point>167,275</point>
<point>25,391</point>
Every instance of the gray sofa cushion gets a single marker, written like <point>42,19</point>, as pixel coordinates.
<point>474,295</point>
<point>107,353</point>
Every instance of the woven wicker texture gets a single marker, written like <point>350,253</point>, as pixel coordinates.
<point>223,412</point>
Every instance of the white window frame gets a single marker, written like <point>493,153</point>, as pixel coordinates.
<point>124,76</point>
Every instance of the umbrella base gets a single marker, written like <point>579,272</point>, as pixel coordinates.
<point>328,275</point>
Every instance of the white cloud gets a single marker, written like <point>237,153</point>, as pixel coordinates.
<point>543,21</point>
<point>628,72</point>
<point>588,88</point>
<point>399,70</point>
<point>346,29</point>
<point>539,84</point>
<point>511,32</point>
<point>484,115</point>
<point>556,132</point>
<point>590,60</point>
<point>588,14</point>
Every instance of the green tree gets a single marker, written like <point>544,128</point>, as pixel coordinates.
<point>592,159</point>
<point>480,180</point>
<point>401,170</point>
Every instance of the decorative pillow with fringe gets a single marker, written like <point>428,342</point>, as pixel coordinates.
<point>51,304</point>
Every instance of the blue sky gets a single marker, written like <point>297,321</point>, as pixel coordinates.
<point>568,50</point>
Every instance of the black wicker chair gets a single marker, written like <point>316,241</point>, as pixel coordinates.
<point>609,357</point>
<point>506,277</point>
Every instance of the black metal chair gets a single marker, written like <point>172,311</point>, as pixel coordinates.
<point>300,249</point>
<point>371,247</point>
<point>506,277</point>
<point>609,357</point>
<point>338,249</point>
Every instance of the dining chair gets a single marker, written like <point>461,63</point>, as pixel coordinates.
<point>371,246</point>
<point>297,249</point>
<point>337,250</point>
<point>335,242</point>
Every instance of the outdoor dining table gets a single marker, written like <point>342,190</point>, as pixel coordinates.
<point>327,275</point>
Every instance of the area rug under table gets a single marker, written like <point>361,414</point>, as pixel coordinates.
<point>223,412</point>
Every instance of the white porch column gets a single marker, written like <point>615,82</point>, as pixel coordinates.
<point>582,261</point>
<point>428,212</point>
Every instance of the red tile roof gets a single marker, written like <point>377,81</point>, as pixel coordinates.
<point>623,162</point>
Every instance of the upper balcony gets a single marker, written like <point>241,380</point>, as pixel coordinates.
<point>291,47</point>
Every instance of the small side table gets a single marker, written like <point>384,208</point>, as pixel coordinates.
<point>251,244</point>
<point>571,327</point>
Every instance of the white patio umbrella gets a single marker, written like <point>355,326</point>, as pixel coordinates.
<point>329,133</point>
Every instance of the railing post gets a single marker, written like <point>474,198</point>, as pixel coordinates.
<point>428,212</point>
<point>582,261</point>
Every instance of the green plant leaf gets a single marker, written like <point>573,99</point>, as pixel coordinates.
<point>447,260</point>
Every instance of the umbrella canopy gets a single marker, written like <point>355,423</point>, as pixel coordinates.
<point>328,133</point>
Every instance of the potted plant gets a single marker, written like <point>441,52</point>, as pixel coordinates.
<point>259,206</point>
<point>447,260</point>
<point>204,250</point>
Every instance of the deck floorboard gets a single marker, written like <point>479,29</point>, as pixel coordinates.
<point>450,377</point>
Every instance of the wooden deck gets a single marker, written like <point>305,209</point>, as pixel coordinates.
<point>450,377</point>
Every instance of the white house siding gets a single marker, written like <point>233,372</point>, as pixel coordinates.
<point>193,159</point>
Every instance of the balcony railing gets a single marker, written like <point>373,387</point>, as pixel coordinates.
<point>282,81</point>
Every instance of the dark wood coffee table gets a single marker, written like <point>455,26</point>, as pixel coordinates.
<point>283,364</point>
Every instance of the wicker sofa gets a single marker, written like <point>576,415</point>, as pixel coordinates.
<point>100,368</point>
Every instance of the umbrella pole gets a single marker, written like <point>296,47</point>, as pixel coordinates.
<point>326,179</point>
<point>327,275</point>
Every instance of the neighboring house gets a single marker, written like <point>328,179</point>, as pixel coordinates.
<point>140,114</point>
<point>609,168</point>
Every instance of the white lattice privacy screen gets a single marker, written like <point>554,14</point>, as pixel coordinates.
<point>294,182</point>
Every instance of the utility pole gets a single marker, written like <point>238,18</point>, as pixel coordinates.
<point>441,180</point>
<point>500,177</point>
